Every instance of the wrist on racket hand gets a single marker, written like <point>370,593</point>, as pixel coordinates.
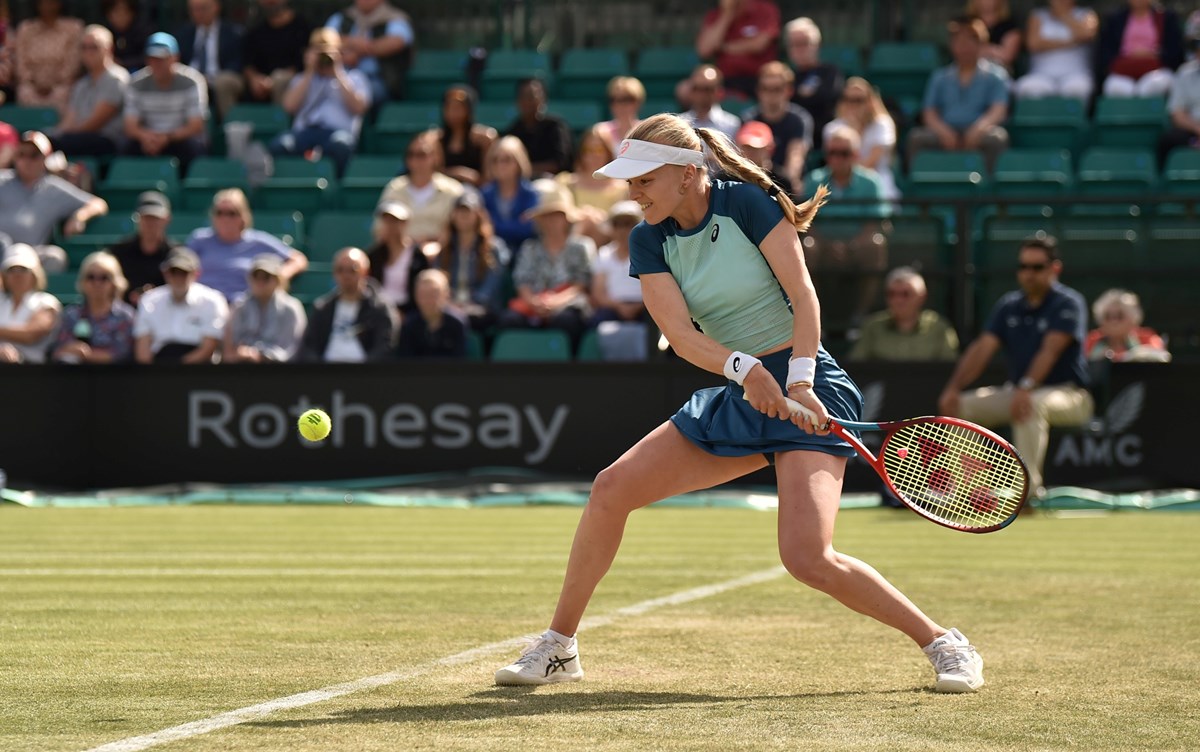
<point>738,366</point>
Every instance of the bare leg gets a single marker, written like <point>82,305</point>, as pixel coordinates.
<point>661,465</point>
<point>810,488</point>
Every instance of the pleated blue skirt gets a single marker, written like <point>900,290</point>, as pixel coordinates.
<point>721,422</point>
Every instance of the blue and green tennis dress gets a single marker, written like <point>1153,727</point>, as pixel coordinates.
<point>734,297</point>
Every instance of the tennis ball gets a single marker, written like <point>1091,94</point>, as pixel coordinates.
<point>314,425</point>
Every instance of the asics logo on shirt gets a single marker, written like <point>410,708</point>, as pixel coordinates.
<point>716,231</point>
<point>557,664</point>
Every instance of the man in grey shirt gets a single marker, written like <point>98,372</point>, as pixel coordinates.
<point>166,105</point>
<point>32,202</point>
<point>92,124</point>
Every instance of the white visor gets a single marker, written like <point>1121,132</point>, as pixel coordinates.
<point>636,158</point>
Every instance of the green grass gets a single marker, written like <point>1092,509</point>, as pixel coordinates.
<point>115,623</point>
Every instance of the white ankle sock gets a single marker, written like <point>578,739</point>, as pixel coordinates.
<point>560,638</point>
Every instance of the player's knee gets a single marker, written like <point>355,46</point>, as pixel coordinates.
<point>814,568</point>
<point>608,491</point>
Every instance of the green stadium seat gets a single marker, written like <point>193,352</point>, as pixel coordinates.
<point>334,230</point>
<point>183,223</point>
<point>287,225</point>
<point>475,348</point>
<point>29,118</point>
<point>1117,172</point>
<point>313,282</point>
<point>1128,121</point>
<point>1100,243</point>
<point>433,71</point>
<point>62,284</point>
<point>298,184</point>
<point>206,176</point>
<point>901,69</point>
<point>1032,173</point>
<point>1050,123</point>
<point>100,233</point>
<point>580,116</point>
<point>583,74</point>
<point>1174,245</point>
<point>505,68</point>
<point>589,347</point>
<point>498,115</point>
<point>946,173</point>
<point>398,122</point>
<point>364,180</point>
<point>1181,177</point>
<point>657,106</point>
<point>848,58</point>
<point>661,68</point>
<point>531,345</point>
<point>268,120</point>
<point>997,251</point>
<point>130,176</point>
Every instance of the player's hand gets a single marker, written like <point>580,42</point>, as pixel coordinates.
<point>806,397</point>
<point>764,394</point>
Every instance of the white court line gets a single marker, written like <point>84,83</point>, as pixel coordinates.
<point>253,712</point>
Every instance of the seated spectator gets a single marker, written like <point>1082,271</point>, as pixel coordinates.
<point>906,330</point>
<point>47,56</point>
<point>791,126</point>
<point>28,315</point>
<point>428,193</point>
<point>129,30</point>
<point>593,195</point>
<point>433,329</point>
<point>166,105</point>
<point>474,260</point>
<point>742,36</point>
<point>546,138</point>
<point>273,51</point>
<point>856,247</point>
<point>396,259</point>
<point>508,194</point>
<point>33,202</point>
<point>213,48</point>
<point>861,109</point>
<point>352,323</point>
<point>704,92</point>
<point>965,102</point>
<point>626,95</point>
<point>327,104</point>
<point>1140,48</point>
<point>818,85</point>
<point>9,140</point>
<point>228,248</point>
<point>1119,335</point>
<point>1183,105</point>
<point>1041,328</point>
<point>266,324</point>
<point>378,40</point>
<point>757,143</point>
<point>141,256</point>
<point>1004,33</point>
<point>1059,38</point>
<point>182,321</point>
<point>615,295</point>
<point>553,270</point>
<point>100,329</point>
<point>91,124</point>
<point>464,141</point>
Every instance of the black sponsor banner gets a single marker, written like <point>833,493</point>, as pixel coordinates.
<point>103,427</point>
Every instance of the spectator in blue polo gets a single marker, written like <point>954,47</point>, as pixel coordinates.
<point>966,102</point>
<point>166,105</point>
<point>378,40</point>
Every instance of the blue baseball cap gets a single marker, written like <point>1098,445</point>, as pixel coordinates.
<point>161,44</point>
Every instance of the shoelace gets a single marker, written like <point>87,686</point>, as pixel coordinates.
<point>538,649</point>
<point>948,659</point>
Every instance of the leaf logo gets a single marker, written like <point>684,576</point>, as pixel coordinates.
<point>1125,408</point>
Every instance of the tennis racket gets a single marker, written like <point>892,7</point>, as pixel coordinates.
<point>947,470</point>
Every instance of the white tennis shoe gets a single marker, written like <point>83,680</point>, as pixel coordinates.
<point>959,666</point>
<point>544,661</point>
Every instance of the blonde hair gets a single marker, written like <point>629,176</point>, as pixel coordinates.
<point>513,146</point>
<point>236,197</point>
<point>100,34</point>
<point>627,85</point>
<point>1122,298</point>
<point>845,133</point>
<point>875,108</point>
<point>806,25</point>
<point>776,69</point>
<point>109,263</point>
<point>674,131</point>
<point>437,275</point>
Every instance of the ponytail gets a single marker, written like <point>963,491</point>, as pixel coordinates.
<point>729,160</point>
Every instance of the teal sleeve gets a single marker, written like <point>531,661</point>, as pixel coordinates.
<point>753,210</point>
<point>646,251</point>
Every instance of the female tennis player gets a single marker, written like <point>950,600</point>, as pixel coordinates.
<point>727,255</point>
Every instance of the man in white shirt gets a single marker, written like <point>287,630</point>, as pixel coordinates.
<point>351,324</point>
<point>182,321</point>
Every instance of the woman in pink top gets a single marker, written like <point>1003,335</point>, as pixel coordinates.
<point>47,56</point>
<point>626,95</point>
<point>1119,335</point>
<point>1140,48</point>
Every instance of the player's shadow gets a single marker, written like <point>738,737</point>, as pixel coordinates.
<point>515,702</point>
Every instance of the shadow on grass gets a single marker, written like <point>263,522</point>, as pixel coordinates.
<point>515,702</point>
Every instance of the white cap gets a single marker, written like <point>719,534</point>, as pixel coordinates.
<point>636,158</point>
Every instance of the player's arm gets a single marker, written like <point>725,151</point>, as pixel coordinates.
<point>1053,346</point>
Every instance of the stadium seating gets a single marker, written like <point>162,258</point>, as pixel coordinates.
<point>530,345</point>
<point>661,68</point>
<point>268,119</point>
<point>498,115</point>
<point>206,176</point>
<point>901,69</point>
<point>1050,123</point>
<point>298,184</point>
<point>1114,172</point>
<point>365,178</point>
<point>433,71</point>
<point>579,116</point>
<point>100,233</point>
<point>1128,122</point>
<point>848,58</point>
<point>333,230</point>
<point>583,74</point>
<point>29,118</point>
<point>506,67</point>
<point>475,349</point>
<point>313,282</point>
<point>1032,173</point>
<point>130,176</point>
<point>287,225</point>
<point>957,174</point>
<point>398,122</point>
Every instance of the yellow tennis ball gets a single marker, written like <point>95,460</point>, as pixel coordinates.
<point>314,425</point>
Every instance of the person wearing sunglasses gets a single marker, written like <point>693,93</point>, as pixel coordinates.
<point>99,329</point>
<point>1041,327</point>
<point>905,330</point>
<point>1119,335</point>
<point>182,321</point>
<point>28,314</point>
<point>427,191</point>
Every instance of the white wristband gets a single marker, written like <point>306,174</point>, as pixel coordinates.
<point>738,365</point>
<point>801,371</point>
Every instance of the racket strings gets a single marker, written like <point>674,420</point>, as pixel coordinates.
<point>955,474</point>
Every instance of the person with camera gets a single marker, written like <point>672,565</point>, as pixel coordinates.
<point>327,103</point>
